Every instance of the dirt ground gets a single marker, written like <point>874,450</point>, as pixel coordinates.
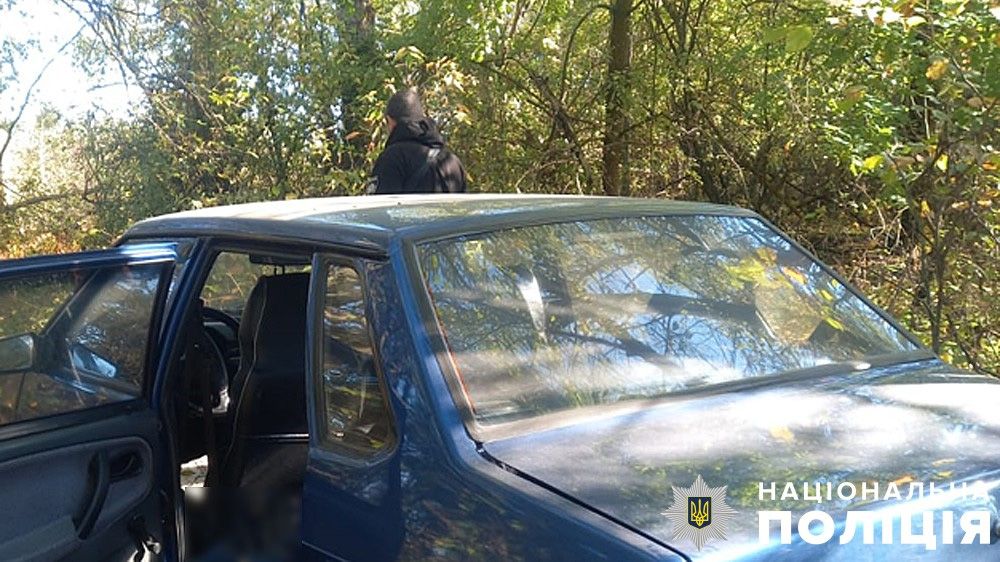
<point>193,473</point>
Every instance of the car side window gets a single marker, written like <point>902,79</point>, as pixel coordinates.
<point>355,413</point>
<point>233,276</point>
<point>74,340</point>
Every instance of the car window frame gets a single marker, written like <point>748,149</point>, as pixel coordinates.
<point>151,353</point>
<point>461,400</point>
<point>319,444</point>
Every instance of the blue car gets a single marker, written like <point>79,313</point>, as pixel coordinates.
<point>477,377</point>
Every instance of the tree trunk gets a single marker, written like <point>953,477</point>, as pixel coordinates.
<point>615,154</point>
<point>362,46</point>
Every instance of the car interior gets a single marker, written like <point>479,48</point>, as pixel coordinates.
<point>241,406</point>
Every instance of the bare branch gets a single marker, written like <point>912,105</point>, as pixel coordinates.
<point>26,100</point>
<point>30,201</point>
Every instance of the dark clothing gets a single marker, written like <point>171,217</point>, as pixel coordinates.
<point>416,160</point>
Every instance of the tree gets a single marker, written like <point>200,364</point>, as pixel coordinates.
<point>616,122</point>
<point>869,129</point>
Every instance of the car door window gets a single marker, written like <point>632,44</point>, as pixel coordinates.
<point>74,339</point>
<point>355,413</point>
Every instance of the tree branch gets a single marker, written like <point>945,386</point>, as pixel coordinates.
<point>9,129</point>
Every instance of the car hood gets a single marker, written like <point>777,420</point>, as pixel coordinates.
<point>921,422</point>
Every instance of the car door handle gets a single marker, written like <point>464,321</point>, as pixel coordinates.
<point>99,474</point>
<point>125,465</point>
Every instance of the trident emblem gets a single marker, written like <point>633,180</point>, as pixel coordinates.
<point>699,512</point>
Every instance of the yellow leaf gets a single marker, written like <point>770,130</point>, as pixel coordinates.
<point>767,255</point>
<point>992,163</point>
<point>872,162</point>
<point>925,209</point>
<point>797,38</point>
<point>782,433</point>
<point>937,69</point>
<point>903,480</point>
<point>854,94</point>
<point>942,163</point>
<point>794,274</point>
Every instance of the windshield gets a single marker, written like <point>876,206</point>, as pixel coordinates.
<point>547,318</point>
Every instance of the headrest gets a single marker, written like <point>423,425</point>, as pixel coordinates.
<point>274,322</point>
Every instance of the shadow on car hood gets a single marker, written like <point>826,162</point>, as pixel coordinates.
<point>921,422</point>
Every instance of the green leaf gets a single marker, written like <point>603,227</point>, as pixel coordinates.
<point>798,38</point>
<point>774,35</point>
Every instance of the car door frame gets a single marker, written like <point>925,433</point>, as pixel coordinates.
<point>178,307</point>
<point>207,246</point>
<point>136,417</point>
<point>189,286</point>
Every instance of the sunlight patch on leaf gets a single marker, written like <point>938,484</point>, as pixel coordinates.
<point>797,38</point>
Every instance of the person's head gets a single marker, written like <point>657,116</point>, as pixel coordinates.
<point>405,106</point>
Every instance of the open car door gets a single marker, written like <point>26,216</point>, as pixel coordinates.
<point>79,440</point>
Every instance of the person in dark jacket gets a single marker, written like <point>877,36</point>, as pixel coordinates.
<point>415,158</point>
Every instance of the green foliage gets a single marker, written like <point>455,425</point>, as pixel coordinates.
<point>868,128</point>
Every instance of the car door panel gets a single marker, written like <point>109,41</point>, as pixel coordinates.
<point>79,439</point>
<point>352,489</point>
<point>60,485</point>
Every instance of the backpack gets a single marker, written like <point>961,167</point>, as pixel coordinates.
<point>435,156</point>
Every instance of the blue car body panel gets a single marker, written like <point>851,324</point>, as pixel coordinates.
<point>436,495</point>
<point>440,493</point>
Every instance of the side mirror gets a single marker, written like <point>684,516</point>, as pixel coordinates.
<point>94,363</point>
<point>18,353</point>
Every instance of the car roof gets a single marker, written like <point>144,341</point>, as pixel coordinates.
<point>369,223</point>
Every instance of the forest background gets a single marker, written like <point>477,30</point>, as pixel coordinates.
<point>868,129</point>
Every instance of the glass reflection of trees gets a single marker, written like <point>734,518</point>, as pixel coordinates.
<point>356,410</point>
<point>93,327</point>
<point>557,316</point>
